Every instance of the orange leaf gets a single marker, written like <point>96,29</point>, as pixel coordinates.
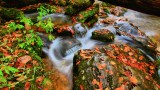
<point>24,59</point>
<point>112,63</point>
<point>134,80</point>
<point>126,49</point>
<point>81,87</point>
<point>120,88</point>
<point>101,66</point>
<point>27,85</point>
<point>39,79</point>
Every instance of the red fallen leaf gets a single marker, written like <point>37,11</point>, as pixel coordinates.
<point>95,82</point>
<point>120,88</point>
<point>126,49</point>
<point>27,85</point>
<point>39,79</point>
<point>81,87</point>
<point>120,79</point>
<point>45,89</point>
<point>111,72</point>
<point>5,88</point>
<point>101,66</point>
<point>100,85</point>
<point>141,58</point>
<point>134,80</point>
<point>77,63</point>
<point>24,59</point>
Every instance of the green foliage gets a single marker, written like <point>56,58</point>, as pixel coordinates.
<point>29,41</point>
<point>26,20</point>
<point>13,26</point>
<point>47,25</point>
<point>6,70</point>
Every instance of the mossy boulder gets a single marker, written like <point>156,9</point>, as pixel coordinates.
<point>88,13</point>
<point>103,35</point>
<point>75,6</point>
<point>91,21</point>
<point>114,67</point>
<point>9,13</point>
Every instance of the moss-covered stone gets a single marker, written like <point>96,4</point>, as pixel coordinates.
<point>113,67</point>
<point>9,13</point>
<point>103,35</point>
<point>90,12</point>
<point>91,21</point>
<point>77,5</point>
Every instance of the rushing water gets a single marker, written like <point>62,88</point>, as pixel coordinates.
<point>61,53</point>
<point>150,24</point>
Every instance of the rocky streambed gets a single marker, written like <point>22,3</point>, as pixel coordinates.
<point>112,56</point>
<point>103,48</point>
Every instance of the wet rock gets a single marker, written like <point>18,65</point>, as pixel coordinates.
<point>85,15</point>
<point>136,37</point>
<point>113,67</point>
<point>68,46</point>
<point>77,5</point>
<point>80,30</point>
<point>58,18</point>
<point>9,13</point>
<point>91,21</point>
<point>64,30</point>
<point>108,20</point>
<point>118,11</point>
<point>103,35</point>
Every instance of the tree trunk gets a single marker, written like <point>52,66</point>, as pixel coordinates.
<point>146,6</point>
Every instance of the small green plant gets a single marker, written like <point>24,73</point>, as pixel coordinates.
<point>47,25</point>
<point>6,70</point>
<point>13,26</point>
<point>25,20</point>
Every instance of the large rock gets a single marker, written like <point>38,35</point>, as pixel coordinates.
<point>103,35</point>
<point>9,13</point>
<point>114,67</point>
<point>83,16</point>
<point>77,5</point>
<point>136,37</point>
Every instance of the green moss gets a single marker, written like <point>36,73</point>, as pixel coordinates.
<point>84,15</point>
<point>105,37</point>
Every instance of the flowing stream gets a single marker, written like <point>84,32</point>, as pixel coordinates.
<point>64,48</point>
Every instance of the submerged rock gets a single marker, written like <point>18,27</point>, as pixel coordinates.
<point>136,38</point>
<point>64,30</point>
<point>103,35</point>
<point>80,30</point>
<point>113,67</point>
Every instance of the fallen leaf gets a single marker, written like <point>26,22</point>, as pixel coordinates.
<point>120,88</point>
<point>24,59</point>
<point>27,85</point>
<point>133,80</point>
<point>112,63</point>
<point>81,87</point>
<point>101,66</point>
<point>39,79</point>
